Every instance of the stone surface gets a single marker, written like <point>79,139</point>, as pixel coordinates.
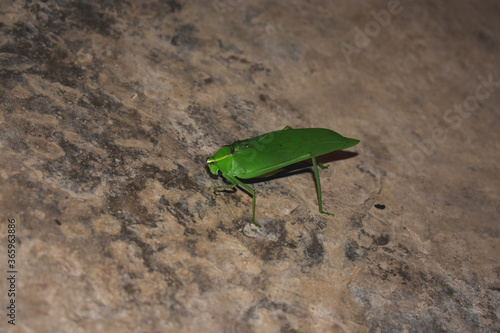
<point>109,110</point>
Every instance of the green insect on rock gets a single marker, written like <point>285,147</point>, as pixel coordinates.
<point>267,154</point>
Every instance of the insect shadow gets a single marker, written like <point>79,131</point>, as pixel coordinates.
<point>294,169</point>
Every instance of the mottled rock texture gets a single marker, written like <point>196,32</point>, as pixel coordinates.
<point>109,109</point>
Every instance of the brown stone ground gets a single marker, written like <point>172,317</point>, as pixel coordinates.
<point>109,110</point>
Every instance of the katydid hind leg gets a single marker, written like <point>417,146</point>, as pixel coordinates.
<point>322,166</point>
<point>318,186</point>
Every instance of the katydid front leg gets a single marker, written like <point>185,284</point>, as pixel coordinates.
<point>236,182</point>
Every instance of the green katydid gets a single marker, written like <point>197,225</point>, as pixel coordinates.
<point>267,154</point>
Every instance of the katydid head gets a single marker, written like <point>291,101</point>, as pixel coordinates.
<point>214,168</point>
<point>221,154</point>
